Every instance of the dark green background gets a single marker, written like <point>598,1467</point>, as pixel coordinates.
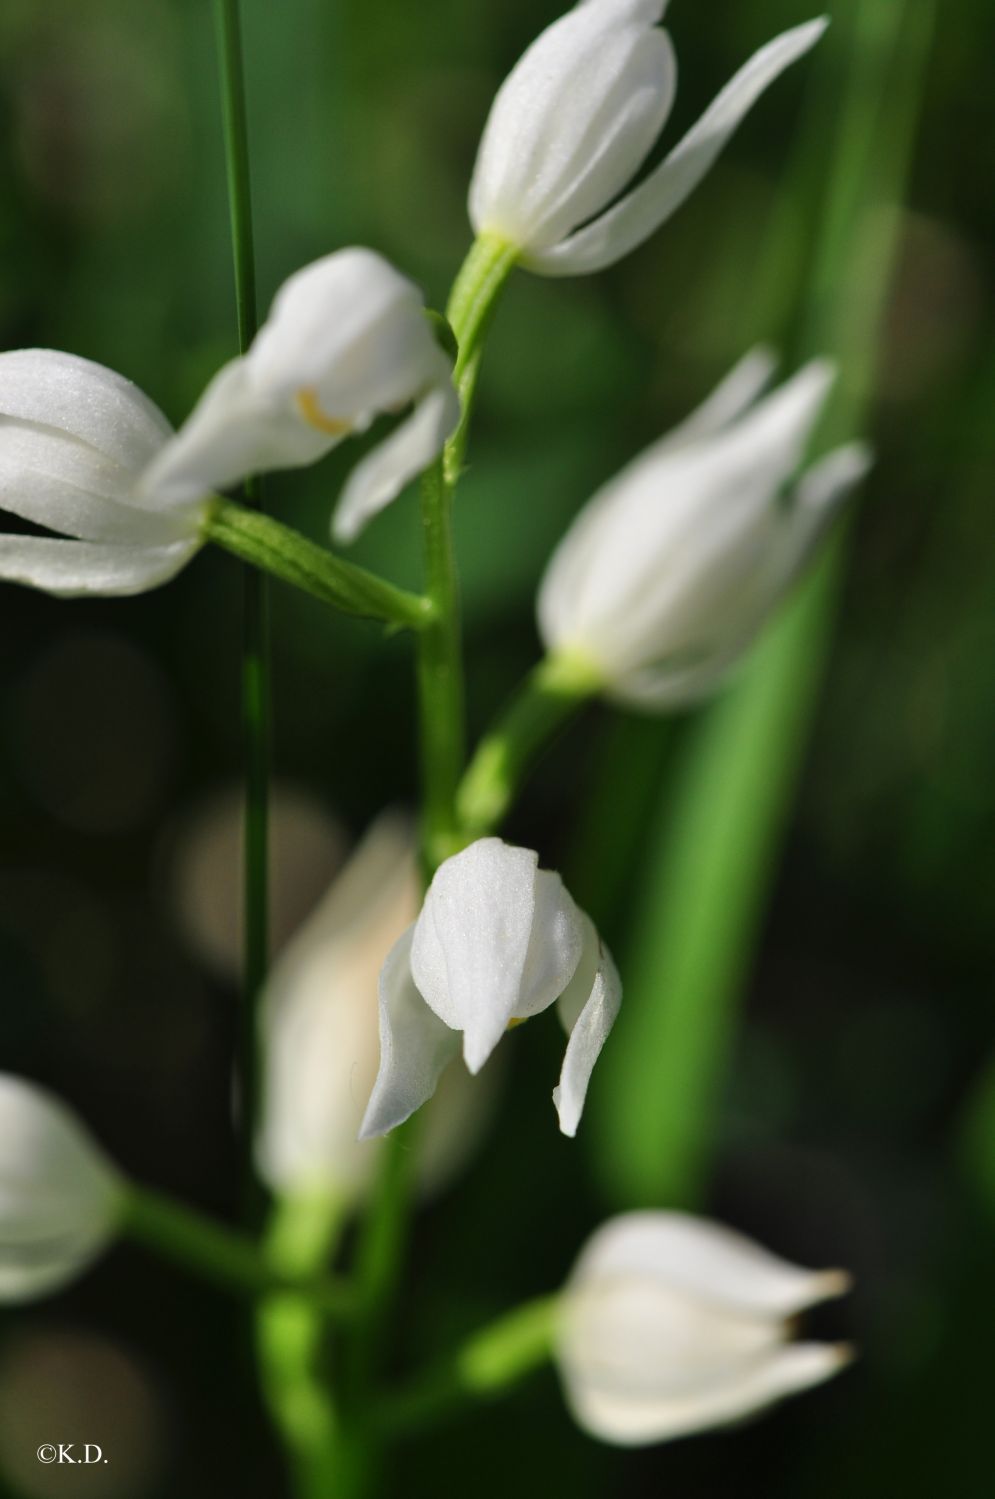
<point>857,1127</point>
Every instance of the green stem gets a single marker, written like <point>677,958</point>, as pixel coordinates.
<point>255,611</point>
<point>377,1267</point>
<point>548,698</point>
<point>383,1233</point>
<point>256,733</point>
<point>440,667</point>
<point>485,1367</point>
<point>291,1335</point>
<point>218,1253</point>
<point>440,675</point>
<point>228,27</point>
<point>471,305</point>
<point>381,1245</point>
<point>275,548</point>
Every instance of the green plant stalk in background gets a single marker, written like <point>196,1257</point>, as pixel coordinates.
<point>711,860</point>
<point>290,1360</point>
<point>255,626</point>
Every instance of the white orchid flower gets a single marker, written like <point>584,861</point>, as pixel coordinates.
<point>320,1037</point>
<point>497,941</point>
<point>671,1324</point>
<point>74,440</point>
<point>60,1198</point>
<point>346,340</point>
<point>577,117</point>
<point>671,569</point>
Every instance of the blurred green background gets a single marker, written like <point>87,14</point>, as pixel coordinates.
<point>856,1099</point>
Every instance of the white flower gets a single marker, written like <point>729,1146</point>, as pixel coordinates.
<point>59,1196</point>
<point>577,117</point>
<point>74,439</point>
<point>320,1034</point>
<point>669,572</point>
<point>671,1324</point>
<point>498,940</point>
<point>346,340</point>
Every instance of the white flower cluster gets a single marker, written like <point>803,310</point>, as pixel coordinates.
<point>668,1323</point>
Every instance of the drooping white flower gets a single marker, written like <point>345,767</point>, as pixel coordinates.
<point>345,341</point>
<point>671,1324</point>
<point>74,439</point>
<point>577,117</point>
<point>59,1196</point>
<point>319,1031</point>
<point>497,941</point>
<point>670,570</point>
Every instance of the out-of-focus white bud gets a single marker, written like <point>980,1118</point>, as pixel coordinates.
<point>74,440</point>
<point>346,340</point>
<point>60,1197</point>
<point>576,118</point>
<point>497,941</point>
<point>671,1324</point>
<point>320,1034</point>
<point>669,572</point>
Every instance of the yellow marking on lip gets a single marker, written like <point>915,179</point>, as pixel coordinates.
<point>307,403</point>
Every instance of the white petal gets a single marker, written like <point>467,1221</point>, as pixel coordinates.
<point>588,1009</point>
<point>350,326</point>
<point>649,205</point>
<point>730,400</point>
<point>705,1260</point>
<point>320,1019</point>
<point>578,554</point>
<point>797,531</point>
<point>59,1196</point>
<point>819,494</point>
<point>84,400</point>
<point>61,483</point>
<point>472,940</point>
<point>662,566</point>
<point>415,1046</point>
<point>633,1420</point>
<point>654,689</point>
<point>637,1337</point>
<point>384,472</point>
<point>234,430</point>
<point>573,121</point>
<point>555,948</point>
<point>76,569</point>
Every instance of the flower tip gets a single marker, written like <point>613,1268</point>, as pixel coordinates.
<point>843,1354</point>
<point>862,459</point>
<point>344,529</point>
<point>833,1283</point>
<point>475,1054</point>
<point>816,28</point>
<point>764,357</point>
<point>569,1119</point>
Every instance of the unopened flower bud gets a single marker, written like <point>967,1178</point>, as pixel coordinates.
<point>672,1324</point>
<point>59,1196</point>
